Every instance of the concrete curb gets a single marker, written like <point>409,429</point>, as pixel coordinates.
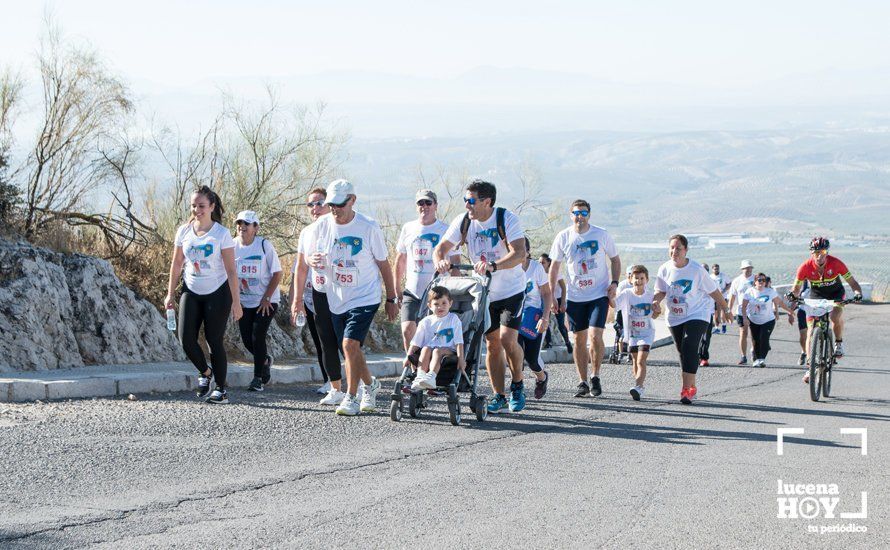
<point>122,380</point>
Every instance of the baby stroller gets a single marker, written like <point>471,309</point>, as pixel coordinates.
<point>470,296</point>
<point>617,355</point>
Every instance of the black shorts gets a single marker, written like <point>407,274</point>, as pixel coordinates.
<point>506,312</point>
<point>410,307</point>
<point>740,320</point>
<point>801,319</point>
<point>635,349</point>
<point>583,315</point>
<point>830,292</point>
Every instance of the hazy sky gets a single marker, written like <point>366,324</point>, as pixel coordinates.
<point>692,41</point>
<point>164,46</point>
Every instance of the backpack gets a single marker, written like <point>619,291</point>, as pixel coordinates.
<point>499,214</point>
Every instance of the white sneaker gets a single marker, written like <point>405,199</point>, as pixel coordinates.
<point>838,349</point>
<point>428,381</point>
<point>334,397</point>
<point>349,406</point>
<point>325,388</point>
<point>419,381</point>
<point>369,396</point>
<point>636,392</point>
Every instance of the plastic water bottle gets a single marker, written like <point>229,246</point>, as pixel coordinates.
<point>300,320</point>
<point>171,320</point>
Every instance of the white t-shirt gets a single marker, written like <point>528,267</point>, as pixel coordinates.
<point>417,241</point>
<point>439,332</point>
<point>255,269</point>
<point>351,267</point>
<point>308,300</point>
<point>484,245</point>
<point>738,287</point>
<point>307,245</point>
<point>760,304</point>
<point>557,292</point>
<point>586,257</point>
<point>687,290</point>
<point>535,278</point>
<point>720,281</point>
<point>204,270</point>
<point>637,314</point>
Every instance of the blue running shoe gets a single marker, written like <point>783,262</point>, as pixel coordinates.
<point>497,404</point>
<point>517,397</point>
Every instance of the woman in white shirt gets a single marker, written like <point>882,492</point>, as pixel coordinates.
<point>689,291</point>
<point>259,274</point>
<point>760,303</point>
<point>203,254</point>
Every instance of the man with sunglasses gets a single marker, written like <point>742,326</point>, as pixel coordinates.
<point>502,256</point>
<point>414,263</point>
<point>826,275</point>
<point>351,251</point>
<point>594,270</point>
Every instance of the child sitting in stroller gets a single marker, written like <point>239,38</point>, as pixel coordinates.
<point>438,336</point>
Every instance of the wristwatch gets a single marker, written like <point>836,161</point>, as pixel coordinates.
<point>615,283</point>
<point>266,299</point>
<point>392,300</point>
<point>493,266</point>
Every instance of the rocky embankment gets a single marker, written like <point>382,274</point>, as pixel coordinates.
<point>69,310</point>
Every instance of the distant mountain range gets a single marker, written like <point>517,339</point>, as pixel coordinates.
<point>797,181</point>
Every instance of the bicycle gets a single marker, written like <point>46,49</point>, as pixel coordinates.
<point>821,357</point>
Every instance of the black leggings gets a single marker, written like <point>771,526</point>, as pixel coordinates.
<point>561,326</point>
<point>531,350</point>
<point>760,337</point>
<point>329,354</point>
<point>687,339</point>
<point>313,331</point>
<point>254,326</point>
<point>212,310</point>
<point>704,351</point>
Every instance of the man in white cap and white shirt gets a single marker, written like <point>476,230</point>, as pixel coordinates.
<point>739,285</point>
<point>351,250</point>
<point>414,263</point>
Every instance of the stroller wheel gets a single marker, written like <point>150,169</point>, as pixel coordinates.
<point>454,412</point>
<point>414,405</point>
<point>481,408</point>
<point>395,410</point>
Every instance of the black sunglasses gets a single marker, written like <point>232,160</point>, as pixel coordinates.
<point>341,205</point>
<point>424,202</point>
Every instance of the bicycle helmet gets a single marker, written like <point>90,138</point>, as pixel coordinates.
<point>819,243</point>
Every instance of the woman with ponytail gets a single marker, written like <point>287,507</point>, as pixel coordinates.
<point>203,252</point>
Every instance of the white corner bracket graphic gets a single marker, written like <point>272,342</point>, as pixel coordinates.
<point>863,509</point>
<point>780,438</point>
<point>863,436</point>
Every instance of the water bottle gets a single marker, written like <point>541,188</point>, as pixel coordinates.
<point>171,320</point>
<point>300,320</point>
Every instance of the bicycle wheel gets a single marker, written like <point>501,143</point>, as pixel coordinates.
<point>829,362</point>
<point>817,344</point>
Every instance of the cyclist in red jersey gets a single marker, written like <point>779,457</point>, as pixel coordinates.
<point>826,275</point>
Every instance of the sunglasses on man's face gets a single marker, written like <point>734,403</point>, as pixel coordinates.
<point>470,200</point>
<point>341,205</point>
<point>820,252</point>
<point>313,204</point>
<point>424,202</point>
<point>582,213</point>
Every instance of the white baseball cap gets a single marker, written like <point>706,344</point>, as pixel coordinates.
<point>746,264</point>
<point>339,191</point>
<point>248,216</point>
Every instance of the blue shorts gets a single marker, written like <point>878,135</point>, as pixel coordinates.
<point>583,315</point>
<point>354,323</point>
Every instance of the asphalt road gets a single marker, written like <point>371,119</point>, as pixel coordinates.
<point>277,469</point>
